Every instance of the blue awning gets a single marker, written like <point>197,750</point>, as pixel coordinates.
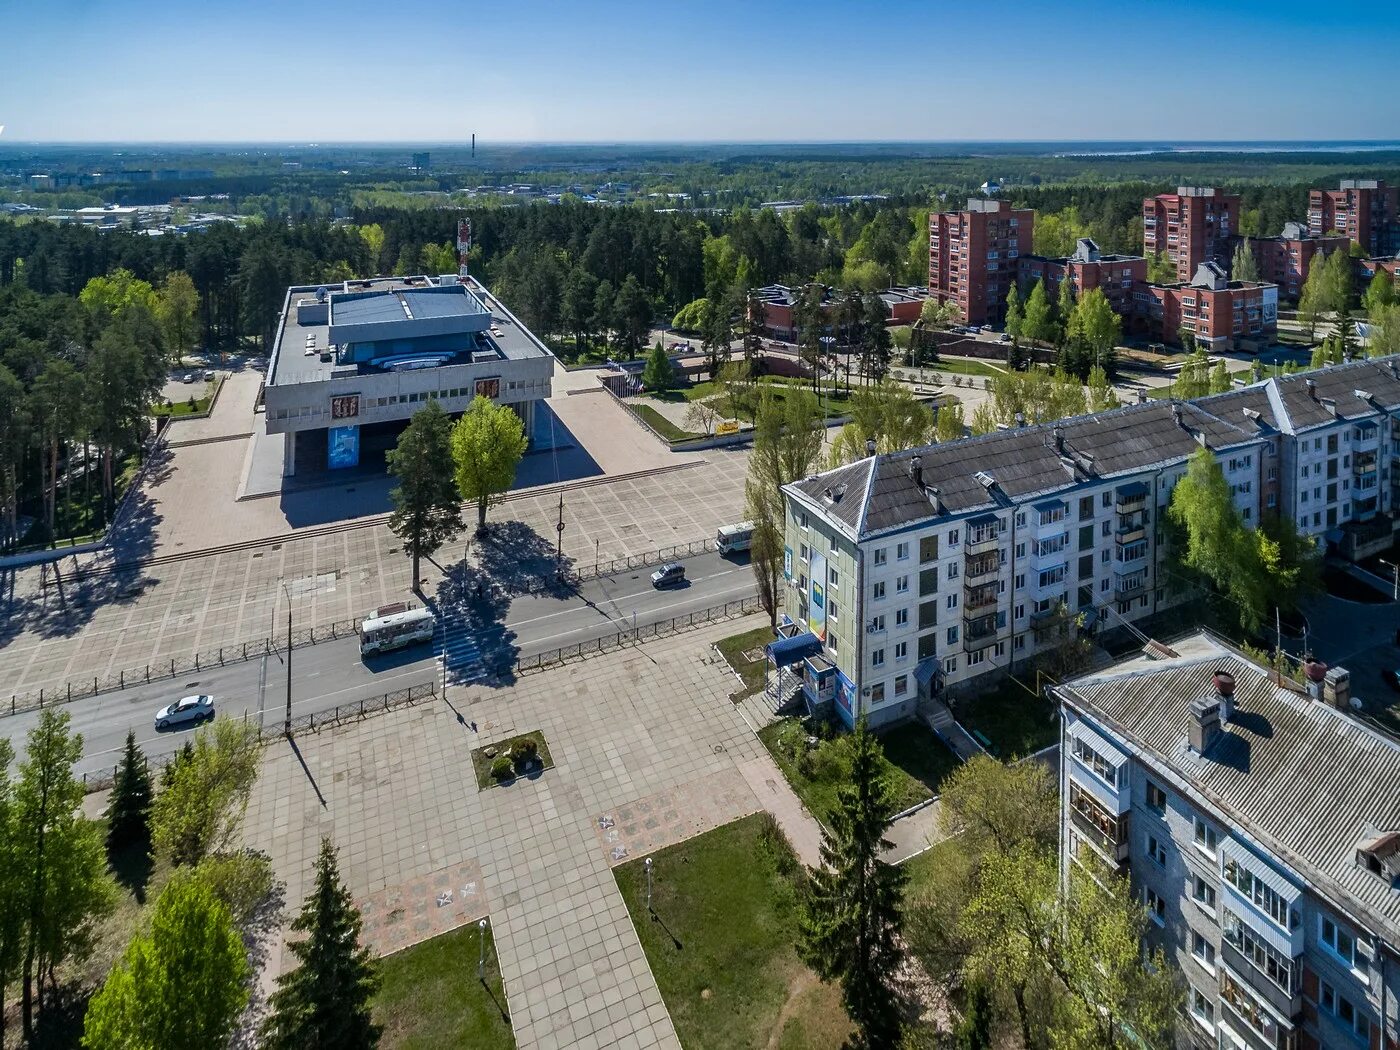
<point>1133,491</point>
<point>925,670</point>
<point>984,519</point>
<point>1050,506</point>
<point>787,651</point>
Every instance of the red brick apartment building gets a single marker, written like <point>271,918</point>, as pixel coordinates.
<point>1192,226</point>
<point>1088,268</point>
<point>1388,264</point>
<point>1222,313</point>
<point>1285,260</point>
<point>1367,211</point>
<point>973,253</point>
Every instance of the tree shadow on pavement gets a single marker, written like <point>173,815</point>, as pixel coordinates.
<point>474,642</point>
<point>518,560</point>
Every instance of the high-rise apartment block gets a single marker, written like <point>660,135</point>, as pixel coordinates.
<point>915,574</point>
<point>1191,226</point>
<point>1259,826</point>
<point>1366,211</point>
<point>972,256</point>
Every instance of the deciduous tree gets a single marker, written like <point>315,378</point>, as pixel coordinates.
<point>1039,323</point>
<point>201,810</point>
<point>427,512</point>
<point>1243,266</point>
<point>487,443</point>
<point>181,984</point>
<point>177,310</point>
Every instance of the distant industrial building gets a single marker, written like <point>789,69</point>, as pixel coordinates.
<point>1195,224</point>
<point>1367,211</point>
<point>353,362</point>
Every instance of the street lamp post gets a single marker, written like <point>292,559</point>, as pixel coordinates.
<point>287,724</point>
<point>649,885</point>
<point>481,956</point>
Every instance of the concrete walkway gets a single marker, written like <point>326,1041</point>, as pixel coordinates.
<point>648,750</point>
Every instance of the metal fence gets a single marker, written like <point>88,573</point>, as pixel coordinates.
<point>637,561</point>
<point>176,666</point>
<point>622,639</point>
<point>336,716</point>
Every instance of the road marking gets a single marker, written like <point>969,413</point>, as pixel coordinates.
<point>613,599</point>
<point>624,624</point>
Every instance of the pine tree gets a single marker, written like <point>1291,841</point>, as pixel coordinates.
<point>427,513</point>
<point>658,374</point>
<point>129,809</point>
<point>851,918</point>
<point>324,1004</point>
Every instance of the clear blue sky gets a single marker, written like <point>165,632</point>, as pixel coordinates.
<point>718,70</point>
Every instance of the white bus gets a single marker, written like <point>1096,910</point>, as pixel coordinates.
<point>397,630</point>
<point>733,538</point>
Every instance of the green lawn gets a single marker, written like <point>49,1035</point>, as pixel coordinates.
<point>962,366</point>
<point>922,868</point>
<point>481,761</point>
<point>733,649</point>
<point>430,996</point>
<point>721,944</point>
<point>1017,722</point>
<point>833,403</point>
<point>916,762</point>
<point>663,426</point>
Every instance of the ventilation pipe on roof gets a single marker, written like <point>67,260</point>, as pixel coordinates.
<point>1311,384</point>
<point>1020,420</point>
<point>870,446</point>
<point>1142,395</point>
<point>1224,683</point>
<point>933,498</point>
<point>1059,440</point>
<point>1204,729</point>
<point>1176,414</point>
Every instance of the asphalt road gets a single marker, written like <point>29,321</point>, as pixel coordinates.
<point>332,673</point>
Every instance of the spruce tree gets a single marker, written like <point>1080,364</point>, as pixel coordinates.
<point>851,917</point>
<point>129,809</point>
<point>324,1004</point>
<point>427,513</point>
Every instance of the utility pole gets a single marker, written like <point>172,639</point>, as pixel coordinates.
<point>287,724</point>
<point>559,536</point>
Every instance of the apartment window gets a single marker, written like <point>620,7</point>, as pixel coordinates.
<point>834,579</point>
<point>877,692</point>
<point>877,624</point>
<point>953,571</point>
<point>831,610</point>
<point>1020,550</point>
<point>1086,506</point>
<point>901,684</point>
<point>1202,950</point>
<point>901,551</point>
<point>1020,580</point>
<point>879,556</point>
<point>901,650</point>
<point>901,618</point>
<point>901,585</point>
<point>1205,837</point>
<point>802,551</point>
<point>975,659</point>
<point>1337,941</point>
<point>1156,851</point>
<point>952,636</point>
<point>877,658</point>
<point>1203,893</point>
<point>1156,798</point>
<point>953,538</point>
<point>1106,528</point>
<point>1156,906</point>
<point>1348,1013</point>
<point>879,591</point>
<point>804,519</point>
<point>952,602</point>
<point>1202,1009</point>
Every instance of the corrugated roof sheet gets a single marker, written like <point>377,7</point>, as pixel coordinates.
<point>1304,781</point>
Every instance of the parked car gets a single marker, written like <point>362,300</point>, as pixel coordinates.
<point>1003,338</point>
<point>668,575</point>
<point>188,378</point>
<point>209,376</point>
<point>188,710</point>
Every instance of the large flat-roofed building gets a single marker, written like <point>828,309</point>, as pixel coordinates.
<point>358,360</point>
<point>1259,825</point>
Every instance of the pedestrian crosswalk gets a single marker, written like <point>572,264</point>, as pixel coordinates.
<point>458,647</point>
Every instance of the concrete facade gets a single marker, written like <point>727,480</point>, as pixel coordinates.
<point>1258,826</point>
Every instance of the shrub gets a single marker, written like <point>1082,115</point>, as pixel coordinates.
<point>525,754</point>
<point>500,769</point>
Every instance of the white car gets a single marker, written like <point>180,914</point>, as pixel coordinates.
<point>190,709</point>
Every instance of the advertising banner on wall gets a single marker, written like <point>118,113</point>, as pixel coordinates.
<point>342,447</point>
<point>489,387</point>
<point>816,605</point>
<point>845,697</point>
<point>1270,310</point>
<point>787,563</point>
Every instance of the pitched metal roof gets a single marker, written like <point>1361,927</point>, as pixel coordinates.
<point>1303,781</point>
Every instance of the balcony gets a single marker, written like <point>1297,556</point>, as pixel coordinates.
<point>1363,464</point>
<point>982,541</point>
<point>983,631</point>
<point>1130,499</point>
<point>1108,834</point>
<point>983,596</point>
<point>1128,584</point>
<point>1131,528</point>
<point>1247,1016</point>
<point>1130,557</point>
<point>982,569</point>
<point>1233,955</point>
<point>1049,551</point>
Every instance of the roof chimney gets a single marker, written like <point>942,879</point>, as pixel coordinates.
<point>1059,440</point>
<point>870,446</point>
<point>1204,730</point>
<point>1020,419</point>
<point>1142,395</point>
<point>1176,414</point>
<point>916,471</point>
<point>1311,384</point>
<point>1224,683</point>
<point>932,494</point>
<point>1315,671</point>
